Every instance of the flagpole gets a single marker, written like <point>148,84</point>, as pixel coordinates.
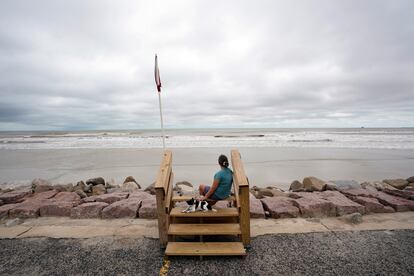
<point>162,123</point>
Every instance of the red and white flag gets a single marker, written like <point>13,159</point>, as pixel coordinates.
<point>157,75</point>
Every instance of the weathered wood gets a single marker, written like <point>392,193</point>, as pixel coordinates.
<point>161,189</point>
<point>205,249</point>
<point>224,212</point>
<point>238,169</point>
<point>205,229</point>
<point>242,187</point>
<point>164,171</point>
<point>168,199</point>
<point>245,215</point>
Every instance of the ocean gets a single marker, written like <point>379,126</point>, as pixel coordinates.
<point>353,138</point>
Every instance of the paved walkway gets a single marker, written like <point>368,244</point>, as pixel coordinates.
<point>140,228</point>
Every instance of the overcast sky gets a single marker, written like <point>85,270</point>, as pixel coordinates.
<point>67,65</point>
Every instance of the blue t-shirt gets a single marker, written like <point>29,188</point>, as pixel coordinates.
<point>225,177</point>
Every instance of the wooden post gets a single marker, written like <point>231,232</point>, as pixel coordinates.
<point>242,184</point>
<point>162,184</point>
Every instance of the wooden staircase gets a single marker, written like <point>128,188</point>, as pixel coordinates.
<point>175,226</point>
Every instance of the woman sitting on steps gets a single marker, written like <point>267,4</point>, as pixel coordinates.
<point>221,187</point>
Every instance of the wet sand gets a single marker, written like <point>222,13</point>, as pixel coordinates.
<point>264,166</point>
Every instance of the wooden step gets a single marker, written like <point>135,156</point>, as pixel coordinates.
<point>205,229</point>
<point>205,249</point>
<point>221,212</point>
<point>177,198</point>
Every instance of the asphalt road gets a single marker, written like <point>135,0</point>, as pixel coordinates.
<point>338,253</point>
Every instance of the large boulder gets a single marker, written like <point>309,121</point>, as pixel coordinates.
<point>343,205</point>
<point>4,210</point>
<point>313,205</point>
<point>107,198</point>
<point>376,186</point>
<point>398,203</point>
<point>42,195</point>
<point>343,184</point>
<point>140,195</point>
<point>88,210</point>
<point>63,187</point>
<point>260,193</point>
<point>52,208</point>
<point>126,208</point>
<point>14,196</point>
<point>67,197</point>
<point>277,191</point>
<point>359,192</point>
<point>130,187</point>
<point>27,209</point>
<point>280,207</point>
<point>256,207</point>
<point>410,179</point>
<point>98,189</point>
<point>132,179</point>
<point>148,209</point>
<point>401,193</point>
<point>372,205</point>
<point>312,183</point>
<point>81,193</point>
<point>184,187</point>
<point>95,181</point>
<point>296,186</point>
<point>397,183</point>
<point>41,185</point>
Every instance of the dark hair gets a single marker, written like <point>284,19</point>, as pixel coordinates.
<point>223,161</point>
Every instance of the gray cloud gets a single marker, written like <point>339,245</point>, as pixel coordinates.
<point>89,65</point>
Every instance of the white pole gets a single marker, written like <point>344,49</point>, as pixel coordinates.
<point>162,123</point>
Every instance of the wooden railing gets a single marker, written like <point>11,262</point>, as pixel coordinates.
<point>163,194</point>
<point>241,192</point>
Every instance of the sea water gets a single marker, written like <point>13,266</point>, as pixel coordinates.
<point>370,138</point>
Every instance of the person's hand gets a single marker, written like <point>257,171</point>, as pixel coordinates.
<point>202,198</point>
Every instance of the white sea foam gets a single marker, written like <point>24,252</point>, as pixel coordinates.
<point>402,138</point>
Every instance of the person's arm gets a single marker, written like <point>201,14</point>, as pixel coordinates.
<point>212,189</point>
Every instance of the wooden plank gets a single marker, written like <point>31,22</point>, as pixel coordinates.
<point>162,217</point>
<point>205,249</point>
<point>222,212</point>
<point>168,197</point>
<point>245,215</point>
<point>239,174</point>
<point>178,198</point>
<point>164,171</point>
<point>205,229</point>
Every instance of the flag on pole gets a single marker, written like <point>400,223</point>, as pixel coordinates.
<point>157,75</point>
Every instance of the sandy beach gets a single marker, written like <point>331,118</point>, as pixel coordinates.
<point>264,166</point>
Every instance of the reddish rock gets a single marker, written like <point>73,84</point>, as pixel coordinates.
<point>27,209</point>
<point>98,190</point>
<point>4,210</point>
<point>401,193</point>
<point>40,185</point>
<point>107,198</point>
<point>127,208</point>
<point>67,197</point>
<point>55,209</point>
<point>398,203</point>
<point>313,205</point>
<point>372,205</point>
<point>256,208</point>
<point>14,196</point>
<point>42,195</point>
<point>342,204</point>
<point>88,210</point>
<point>140,195</point>
<point>148,209</point>
<point>280,207</point>
<point>359,192</point>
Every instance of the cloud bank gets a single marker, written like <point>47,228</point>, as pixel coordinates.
<point>89,64</point>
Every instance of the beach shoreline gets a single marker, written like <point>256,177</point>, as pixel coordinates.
<point>264,166</point>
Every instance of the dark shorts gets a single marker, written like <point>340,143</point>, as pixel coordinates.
<point>213,196</point>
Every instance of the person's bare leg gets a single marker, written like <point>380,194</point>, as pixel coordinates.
<point>201,190</point>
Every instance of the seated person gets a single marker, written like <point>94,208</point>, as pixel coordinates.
<point>221,187</point>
